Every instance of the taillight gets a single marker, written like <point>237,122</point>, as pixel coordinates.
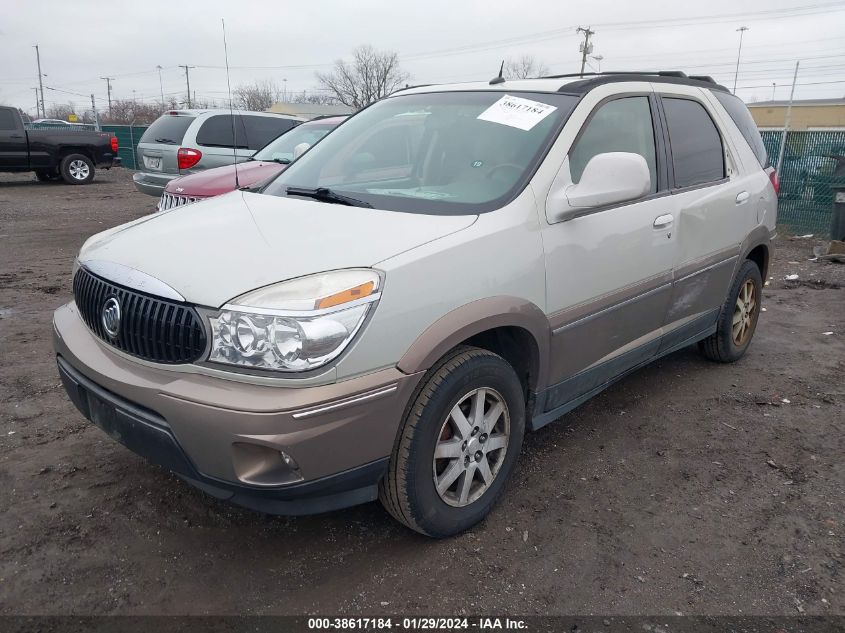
<point>114,143</point>
<point>773,177</point>
<point>187,158</point>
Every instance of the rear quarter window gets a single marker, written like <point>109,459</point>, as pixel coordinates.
<point>260,130</point>
<point>168,129</point>
<point>217,131</point>
<point>745,122</point>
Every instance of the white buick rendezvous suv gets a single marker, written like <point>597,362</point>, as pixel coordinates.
<point>453,267</point>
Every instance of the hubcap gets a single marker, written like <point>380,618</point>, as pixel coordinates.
<point>744,313</point>
<point>78,169</point>
<point>471,447</point>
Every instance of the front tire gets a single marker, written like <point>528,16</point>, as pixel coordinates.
<point>738,317</point>
<point>77,169</point>
<point>458,444</point>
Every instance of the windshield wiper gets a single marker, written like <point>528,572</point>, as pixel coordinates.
<point>324,194</point>
<point>166,140</point>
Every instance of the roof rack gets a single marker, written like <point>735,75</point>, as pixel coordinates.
<point>659,73</point>
<point>589,81</point>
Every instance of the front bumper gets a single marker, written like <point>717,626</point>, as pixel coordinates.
<point>227,437</point>
<point>150,183</point>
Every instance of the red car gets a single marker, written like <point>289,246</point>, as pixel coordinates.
<point>270,160</point>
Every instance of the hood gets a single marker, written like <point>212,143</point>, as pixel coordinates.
<point>213,182</point>
<point>215,250</point>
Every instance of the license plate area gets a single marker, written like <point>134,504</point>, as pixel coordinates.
<point>152,162</point>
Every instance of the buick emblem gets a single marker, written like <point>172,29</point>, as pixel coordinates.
<point>180,189</point>
<point>110,317</point>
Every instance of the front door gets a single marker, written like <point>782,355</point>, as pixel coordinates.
<point>609,273</point>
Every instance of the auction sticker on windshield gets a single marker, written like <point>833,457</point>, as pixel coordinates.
<point>517,112</point>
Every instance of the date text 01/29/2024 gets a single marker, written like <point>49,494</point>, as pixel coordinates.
<point>417,624</point>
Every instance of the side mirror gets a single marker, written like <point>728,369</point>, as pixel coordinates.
<point>300,149</point>
<point>608,178</point>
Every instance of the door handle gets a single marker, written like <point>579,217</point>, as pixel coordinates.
<point>742,196</point>
<point>15,135</point>
<point>662,221</point>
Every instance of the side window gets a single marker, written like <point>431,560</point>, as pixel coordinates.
<point>744,121</point>
<point>7,120</point>
<point>217,132</point>
<point>622,125</point>
<point>697,153</point>
<point>260,130</point>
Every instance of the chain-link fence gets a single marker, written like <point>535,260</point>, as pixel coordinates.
<point>813,162</point>
<point>127,142</point>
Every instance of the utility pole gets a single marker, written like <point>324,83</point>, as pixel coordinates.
<point>40,81</point>
<point>774,87</point>
<point>787,121</point>
<point>741,30</point>
<point>188,81</point>
<point>108,90</point>
<point>37,101</point>
<point>96,116</point>
<point>586,47</point>
<point>160,87</point>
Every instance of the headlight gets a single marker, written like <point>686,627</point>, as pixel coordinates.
<point>295,325</point>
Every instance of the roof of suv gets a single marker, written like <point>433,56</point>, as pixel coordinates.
<point>577,83</point>
<point>197,112</point>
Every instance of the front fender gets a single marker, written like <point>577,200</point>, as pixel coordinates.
<point>474,318</point>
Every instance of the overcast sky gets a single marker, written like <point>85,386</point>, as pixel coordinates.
<point>437,40</point>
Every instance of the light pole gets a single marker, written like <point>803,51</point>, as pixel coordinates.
<point>774,86</point>
<point>741,30</point>
<point>285,97</point>
<point>598,59</point>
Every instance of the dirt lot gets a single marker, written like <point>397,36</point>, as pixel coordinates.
<point>688,487</point>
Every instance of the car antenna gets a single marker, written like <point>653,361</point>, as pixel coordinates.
<point>499,79</point>
<point>231,108</point>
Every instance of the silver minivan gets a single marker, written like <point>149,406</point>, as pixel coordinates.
<point>451,268</point>
<point>182,142</point>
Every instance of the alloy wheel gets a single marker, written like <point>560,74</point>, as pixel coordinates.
<point>743,319</point>
<point>471,447</point>
<point>79,169</point>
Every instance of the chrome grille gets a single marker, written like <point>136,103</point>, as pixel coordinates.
<point>152,328</point>
<point>170,201</point>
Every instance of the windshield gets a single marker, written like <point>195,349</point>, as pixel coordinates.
<point>439,153</point>
<point>281,149</point>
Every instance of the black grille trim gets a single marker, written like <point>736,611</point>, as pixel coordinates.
<point>151,328</point>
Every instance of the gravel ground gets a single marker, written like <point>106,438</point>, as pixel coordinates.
<point>687,487</point>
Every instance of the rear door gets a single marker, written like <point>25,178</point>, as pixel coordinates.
<point>158,146</point>
<point>14,153</point>
<point>715,211</point>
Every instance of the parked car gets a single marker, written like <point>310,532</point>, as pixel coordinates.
<point>267,162</point>
<point>182,142</point>
<point>70,154</point>
<point>450,268</point>
<point>51,122</point>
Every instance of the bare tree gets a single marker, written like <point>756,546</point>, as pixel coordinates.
<point>124,111</point>
<point>314,98</point>
<point>525,67</point>
<point>60,111</point>
<point>257,96</point>
<point>369,76</point>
